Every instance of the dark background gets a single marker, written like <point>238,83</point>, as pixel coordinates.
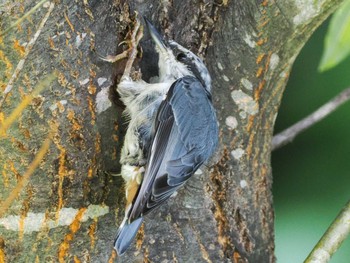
<point>311,174</point>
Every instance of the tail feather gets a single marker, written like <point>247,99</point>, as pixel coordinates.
<point>126,235</point>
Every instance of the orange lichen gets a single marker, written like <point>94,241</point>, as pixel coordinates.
<point>27,82</point>
<point>92,231</point>
<point>92,89</point>
<point>140,237</point>
<point>64,64</point>
<point>16,143</point>
<point>25,132</point>
<point>250,123</point>
<point>60,107</point>
<point>74,74</point>
<point>258,91</point>
<point>92,110</point>
<point>14,170</point>
<point>112,257</point>
<point>264,23</point>
<point>260,58</point>
<point>92,73</point>
<point>90,172</point>
<point>51,43</point>
<point>250,144</point>
<point>259,72</point>
<point>62,171</point>
<point>204,252</point>
<point>73,227</point>
<point>22,93</point>
<point>98,143</point>
<point>2,252</point>
<point>237,257</point>
<point>261,41</point>
<point>218,196</point>
<point>76,259</point>
<point>69,22</point>
<point>8,64</point>
<point>76,126</point>
<point>62,79</point>
<point>146,255</point>
<point>89,13</point>
<point>265,3</point>
<point>2,86</point>
<point>178,231</point>
<point>19,48</point>
<point>267,64</point>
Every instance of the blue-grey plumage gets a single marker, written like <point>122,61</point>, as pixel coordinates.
<point>172,131</point>
<point>126,234</point>
<point>185,137</point>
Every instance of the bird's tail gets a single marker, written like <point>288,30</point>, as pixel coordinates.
<point>126,234</point>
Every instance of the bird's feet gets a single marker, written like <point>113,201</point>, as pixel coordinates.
<point>134,38</point>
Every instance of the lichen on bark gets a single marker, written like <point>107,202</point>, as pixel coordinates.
<point>222,215</point>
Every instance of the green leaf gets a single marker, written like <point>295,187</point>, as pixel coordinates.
<point>337,40</point>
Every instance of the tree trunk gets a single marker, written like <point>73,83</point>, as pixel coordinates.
<point>70,208</point>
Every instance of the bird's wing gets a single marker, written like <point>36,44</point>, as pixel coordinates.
<point>185,136</point>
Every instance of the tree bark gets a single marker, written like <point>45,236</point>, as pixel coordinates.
<point>70,209</point>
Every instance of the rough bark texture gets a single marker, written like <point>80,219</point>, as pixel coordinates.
<point>70,209</point>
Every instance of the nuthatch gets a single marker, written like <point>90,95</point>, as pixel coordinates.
<point>172,130</point>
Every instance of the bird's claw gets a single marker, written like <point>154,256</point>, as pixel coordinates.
<point>131,52</point>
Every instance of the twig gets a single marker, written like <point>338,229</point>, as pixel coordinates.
<point>332,239</point>
<point>289,134</point>
<point>27,51</point>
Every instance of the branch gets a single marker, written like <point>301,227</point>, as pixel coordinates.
<point>289,134</point>
<point>332,239</point>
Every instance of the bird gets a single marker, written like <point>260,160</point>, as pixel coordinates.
<point>172,128</point>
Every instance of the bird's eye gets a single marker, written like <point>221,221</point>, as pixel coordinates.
<point>181,57</point>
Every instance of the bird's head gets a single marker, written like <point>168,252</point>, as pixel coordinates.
<point>175,61</point>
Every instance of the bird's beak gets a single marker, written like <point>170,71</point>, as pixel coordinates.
<point>157,38</point>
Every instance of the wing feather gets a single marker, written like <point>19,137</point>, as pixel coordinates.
<point>185,136</point>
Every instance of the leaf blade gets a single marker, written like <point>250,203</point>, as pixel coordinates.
<point>337,40</point>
